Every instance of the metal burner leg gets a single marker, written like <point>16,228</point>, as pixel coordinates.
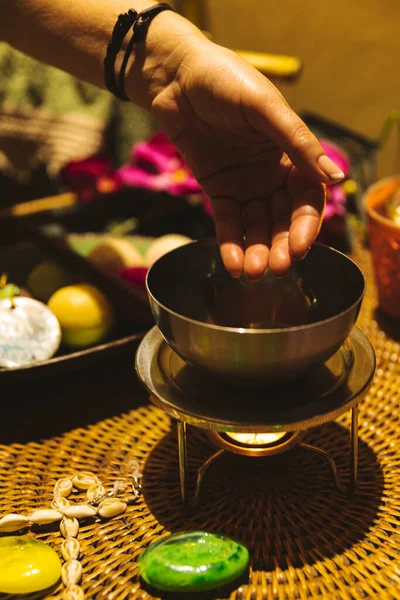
<point>354,450</point>
<point>183,474</point>
<point>182,449</point>
<point>201,472</point>
<point>353,457</point>
<point>331,462</point>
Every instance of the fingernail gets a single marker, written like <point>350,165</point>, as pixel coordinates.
<point>330,168</point>
<point>281,275</point>
<point>257,279</point>
<point>302,257</point>
<point>236,274</point>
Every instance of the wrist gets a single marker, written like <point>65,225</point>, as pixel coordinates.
<point>157,60</point>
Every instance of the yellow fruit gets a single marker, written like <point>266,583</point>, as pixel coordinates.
<point>115,254</point>
<point>46,278</point>
<point>165,244</point>
<point>84,313</point>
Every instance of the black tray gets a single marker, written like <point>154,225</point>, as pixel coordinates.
<point>131,307</point>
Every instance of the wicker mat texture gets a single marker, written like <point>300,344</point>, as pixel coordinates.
<point>307,541</point>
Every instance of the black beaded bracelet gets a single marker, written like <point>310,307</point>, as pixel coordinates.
<point>140,23</point>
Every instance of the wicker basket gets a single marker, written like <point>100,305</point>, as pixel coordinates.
<point>306,539</point>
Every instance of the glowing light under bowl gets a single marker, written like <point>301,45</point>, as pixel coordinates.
<point>256,439</point>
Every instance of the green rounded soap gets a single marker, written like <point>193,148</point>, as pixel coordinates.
<point>27,565</point>
<point>193,561</point>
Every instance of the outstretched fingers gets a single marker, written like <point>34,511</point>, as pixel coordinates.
<point>281,208</point>
<point>269,232</point>
<point>308,204</point>
<point>229,228</point>
<point>243,234</point>
<point>257,233</point>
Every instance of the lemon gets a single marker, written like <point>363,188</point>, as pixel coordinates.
<point>84,313</point>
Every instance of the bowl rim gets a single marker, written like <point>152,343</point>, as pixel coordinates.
<point>241,330</point>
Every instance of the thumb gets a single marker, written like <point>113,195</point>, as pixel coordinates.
<point>268,112</point>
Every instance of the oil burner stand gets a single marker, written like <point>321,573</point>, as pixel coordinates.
<point>277,418</point>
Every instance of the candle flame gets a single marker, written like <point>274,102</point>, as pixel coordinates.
<point>256,439</point>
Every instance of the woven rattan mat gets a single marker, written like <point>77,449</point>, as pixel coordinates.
<point>306,539</point>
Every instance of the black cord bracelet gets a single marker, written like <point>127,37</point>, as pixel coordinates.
<point>121,28</point>
<point>140,23</point>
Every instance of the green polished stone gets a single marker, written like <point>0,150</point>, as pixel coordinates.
<point>193,561</point>
<point>27,565</point>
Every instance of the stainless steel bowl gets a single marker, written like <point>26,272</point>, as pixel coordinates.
<point>268,332</point>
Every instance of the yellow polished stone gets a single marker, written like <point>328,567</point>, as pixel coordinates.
<point>27,565</point>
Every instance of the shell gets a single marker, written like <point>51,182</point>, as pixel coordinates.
<point>73,592</point>
<point>95,492</point>
<point>80,511</point>
<point>44,516</point>
<point>70,549</point>
<point>63,487</point>
<point>71,572</point>
<point>84,480</point>
<point>13,522</point>
<point>60,504</point>
<point>111,507</point>
<point>69,527</point>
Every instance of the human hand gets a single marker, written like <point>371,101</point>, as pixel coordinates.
<point>262,168</point>
<point>257,161</point>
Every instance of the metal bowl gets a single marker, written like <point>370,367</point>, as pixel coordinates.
<point>267,332</point>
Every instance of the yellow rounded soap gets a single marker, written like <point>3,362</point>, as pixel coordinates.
<point>115,254</point>
<point>84,313</point>
<point>163,245</point>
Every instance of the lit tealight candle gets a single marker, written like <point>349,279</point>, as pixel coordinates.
<point>256,439</point>
<point>392,207</point>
